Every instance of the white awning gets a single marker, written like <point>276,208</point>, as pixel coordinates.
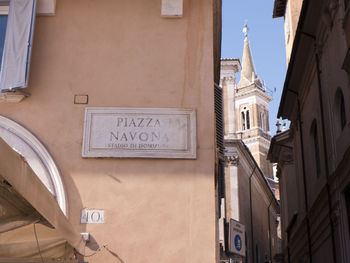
<point>16,171</point>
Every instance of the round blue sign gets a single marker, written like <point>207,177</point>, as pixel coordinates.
<point>238,242</point>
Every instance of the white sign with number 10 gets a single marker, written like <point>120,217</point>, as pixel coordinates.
<point>92,216</point>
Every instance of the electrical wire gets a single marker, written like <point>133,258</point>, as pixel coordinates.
<point>93,254</point>
<point>113,254</point>
<point>99,250</point>
<point>37,243</point>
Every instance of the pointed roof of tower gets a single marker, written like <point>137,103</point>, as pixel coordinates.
<point>248,74</point>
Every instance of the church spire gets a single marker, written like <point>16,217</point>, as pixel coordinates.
<point>248,75</point>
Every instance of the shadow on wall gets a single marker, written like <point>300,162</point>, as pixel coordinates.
<point>96,248</point>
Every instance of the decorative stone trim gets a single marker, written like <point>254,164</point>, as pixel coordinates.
<point>232,160</point>
<point>13,96</point>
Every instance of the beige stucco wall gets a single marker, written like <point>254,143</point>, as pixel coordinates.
<point>123,54</point>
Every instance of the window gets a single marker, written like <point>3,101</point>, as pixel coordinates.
<point>339,111</point>
<point>4,11</point>
<point>347,204</point>
<point>248,120</point>
<point>342,112</point>
<point>314,141</point>
<point>257,254</point>
<point>262,120</point>
<point>245,119</point>
<point>341,108</point>
<point>3,24</point>
<point>16,35</point>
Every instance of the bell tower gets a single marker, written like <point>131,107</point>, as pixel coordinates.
<point>252,112</point>
<point>246,111</point>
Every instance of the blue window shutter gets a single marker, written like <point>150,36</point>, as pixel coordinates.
<point>18,45</point>
<point>3,24</point>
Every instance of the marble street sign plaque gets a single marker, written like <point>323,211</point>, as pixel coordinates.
<point>139,133</point>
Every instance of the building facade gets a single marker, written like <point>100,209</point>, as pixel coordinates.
<point>313,155</point>
<point>248,203</point>
<point>74,191</point>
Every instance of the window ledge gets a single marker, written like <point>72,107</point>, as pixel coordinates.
<point>13,96</point>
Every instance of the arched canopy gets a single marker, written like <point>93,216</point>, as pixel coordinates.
<point>29,147</point>
<point>28,172</point>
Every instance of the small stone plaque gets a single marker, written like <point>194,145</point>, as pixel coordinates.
<point>92,216</point>
<point>139,133</point>
<point>172,8</point>
<point>81,99</point>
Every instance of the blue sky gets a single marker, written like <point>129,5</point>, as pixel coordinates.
<point>266,39</point>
